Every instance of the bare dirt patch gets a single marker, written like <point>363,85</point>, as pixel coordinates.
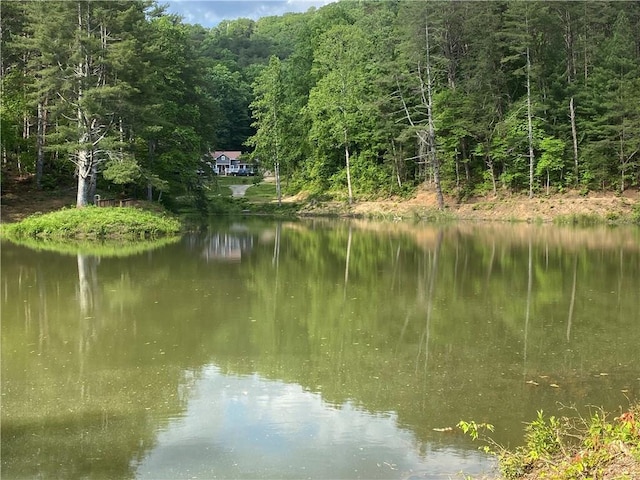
<point>505,208</point>
<point>20,198</point>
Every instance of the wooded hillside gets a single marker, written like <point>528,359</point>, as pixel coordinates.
<point>355,99</point>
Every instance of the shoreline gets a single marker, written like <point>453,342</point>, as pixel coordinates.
<point>571,207</point>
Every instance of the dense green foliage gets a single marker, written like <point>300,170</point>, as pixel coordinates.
<point>568,448</point>
<point>353,99</point>
<point>94,222</point>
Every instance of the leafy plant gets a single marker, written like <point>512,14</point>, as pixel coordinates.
<point>568,449</point>
<point>473,429</point>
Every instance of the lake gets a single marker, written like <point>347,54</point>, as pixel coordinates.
<point>310,349</point>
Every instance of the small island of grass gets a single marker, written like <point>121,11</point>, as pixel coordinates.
<point>94,222</point>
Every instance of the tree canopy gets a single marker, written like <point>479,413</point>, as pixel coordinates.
<point>353,99</point>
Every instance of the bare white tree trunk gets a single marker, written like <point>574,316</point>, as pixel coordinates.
<point>574,136</point>
<point>348,163</point>
<point>84,170</point>
<point>435,164</point>
<point>277,163</point>
<point>530,125</point>
<point>396,163</point>
<point>40,140</point>
<point>83,157</point>
<point>278,188</point>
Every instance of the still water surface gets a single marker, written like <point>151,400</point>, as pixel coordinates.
<point>310,349</point>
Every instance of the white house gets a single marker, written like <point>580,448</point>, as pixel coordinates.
<point>230,163</point>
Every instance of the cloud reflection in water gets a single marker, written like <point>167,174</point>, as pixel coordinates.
<point>250,427</point>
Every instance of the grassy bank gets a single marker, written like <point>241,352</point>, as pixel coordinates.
<point>602,446</point>
<point>93,222</point>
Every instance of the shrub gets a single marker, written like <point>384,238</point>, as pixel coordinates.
<point>571,448</point>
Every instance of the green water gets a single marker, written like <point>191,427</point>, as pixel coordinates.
<point>310,349</point>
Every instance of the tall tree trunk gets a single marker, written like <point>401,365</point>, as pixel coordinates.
<point>574,137</point>
<point>492,170</point>
<point>457,164</point>
<point>348,164</point>
<point>278,188</point>
<point>530,124</point>
<point>83,156</point>
<point>83,177</point>
<point>435,164</point>
<point>569,42</point>
<point>396,163</point>
<point>26,123</point>
<point>585,42</point>
<point>40,141</point>
<point>93,178</point>
<point>277,163</point>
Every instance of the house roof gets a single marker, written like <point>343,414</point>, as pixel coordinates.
<point>231,154</point>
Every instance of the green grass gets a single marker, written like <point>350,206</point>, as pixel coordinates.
<point>214,190</point>
<point>261,193</point>
<point>224,181</point>
<point>94,222</point>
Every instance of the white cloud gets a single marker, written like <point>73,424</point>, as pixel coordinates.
<point>209,13</point>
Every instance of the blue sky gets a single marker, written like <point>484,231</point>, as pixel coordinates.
<point>209,13</point>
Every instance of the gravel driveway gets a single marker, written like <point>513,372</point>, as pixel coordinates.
<point>238,190</point>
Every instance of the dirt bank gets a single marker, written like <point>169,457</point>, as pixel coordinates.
<point>20,198</point>
<point>507,208</point>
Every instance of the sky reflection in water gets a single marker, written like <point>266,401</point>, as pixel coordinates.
<point>249,427</point>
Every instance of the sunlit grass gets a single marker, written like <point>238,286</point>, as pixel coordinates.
<point>94,222</point>
<point>263,192</point>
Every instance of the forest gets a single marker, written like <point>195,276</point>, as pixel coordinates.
<point>354,100</point>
